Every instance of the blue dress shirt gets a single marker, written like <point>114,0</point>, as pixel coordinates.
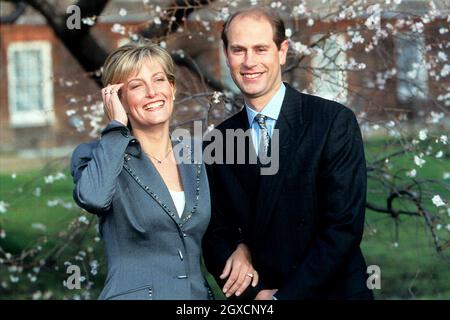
<point>271,111</point>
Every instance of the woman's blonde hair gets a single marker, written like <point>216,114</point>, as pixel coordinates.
<point>128,59</point>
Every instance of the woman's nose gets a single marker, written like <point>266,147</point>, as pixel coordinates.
<point>151,91</point>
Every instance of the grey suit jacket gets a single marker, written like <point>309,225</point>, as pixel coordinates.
<point>151,252</point>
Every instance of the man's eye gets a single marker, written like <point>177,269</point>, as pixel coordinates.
<point>136,86</point>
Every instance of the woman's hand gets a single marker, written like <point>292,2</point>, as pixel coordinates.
<point>240,272</point>
<point>112,105</point>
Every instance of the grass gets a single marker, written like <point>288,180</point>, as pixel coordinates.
<point>410,270</point>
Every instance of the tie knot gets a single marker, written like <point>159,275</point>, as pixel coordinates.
<point>261,120</point>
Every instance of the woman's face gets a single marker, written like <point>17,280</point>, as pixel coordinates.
<point>148,96</point>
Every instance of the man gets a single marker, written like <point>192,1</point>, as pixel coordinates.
<point>296,231</point>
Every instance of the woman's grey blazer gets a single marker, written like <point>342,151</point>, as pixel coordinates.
<point>151,252</point>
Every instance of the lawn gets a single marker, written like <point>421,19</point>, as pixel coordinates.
<point>43,215</point>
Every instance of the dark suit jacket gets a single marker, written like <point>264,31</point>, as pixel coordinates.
<point>304,224</point>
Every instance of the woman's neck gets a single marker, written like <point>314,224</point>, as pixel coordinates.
<point>155,140</point>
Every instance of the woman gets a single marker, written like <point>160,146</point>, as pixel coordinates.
<point>153,206</point>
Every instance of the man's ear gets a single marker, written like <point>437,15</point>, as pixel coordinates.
<point>284,47</point>
<point>225,53</point>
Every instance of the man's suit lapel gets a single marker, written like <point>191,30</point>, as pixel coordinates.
<point>292,128</point>
<point>246,169</point>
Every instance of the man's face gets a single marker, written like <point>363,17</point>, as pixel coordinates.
<point>254,59</point>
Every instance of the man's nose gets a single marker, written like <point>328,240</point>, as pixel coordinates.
<point>250,60</point>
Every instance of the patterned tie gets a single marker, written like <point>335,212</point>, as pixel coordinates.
<point>261,120</point>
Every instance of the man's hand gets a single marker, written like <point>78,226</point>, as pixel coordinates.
<point>266,294</point>
<point>240,271</point>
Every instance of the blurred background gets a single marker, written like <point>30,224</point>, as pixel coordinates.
<point>387,60</point>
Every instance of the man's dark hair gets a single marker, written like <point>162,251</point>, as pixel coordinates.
<point>279,34</point>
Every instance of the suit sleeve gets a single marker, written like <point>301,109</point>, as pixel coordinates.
<point>342,176</point>
<point>95,168</point>
<point>218,240</point>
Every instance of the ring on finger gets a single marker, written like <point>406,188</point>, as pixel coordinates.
<point>251,275</point>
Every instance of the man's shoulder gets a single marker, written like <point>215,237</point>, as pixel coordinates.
<point>315,108</point>
<point>315,103</point>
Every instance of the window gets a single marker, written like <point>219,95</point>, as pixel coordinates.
<point>329,75</point>
<point>412,78</point>
<point>30,86</point>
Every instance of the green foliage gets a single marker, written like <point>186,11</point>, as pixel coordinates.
<point>44,231</point>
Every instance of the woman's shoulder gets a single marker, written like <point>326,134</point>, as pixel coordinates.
<point>84,149</point>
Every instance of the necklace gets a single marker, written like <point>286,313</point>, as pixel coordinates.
<point>159,160</point>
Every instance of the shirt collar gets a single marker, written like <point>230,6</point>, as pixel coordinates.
<point>272,109</point>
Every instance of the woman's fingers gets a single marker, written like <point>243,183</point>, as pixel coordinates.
<point>113,107</point>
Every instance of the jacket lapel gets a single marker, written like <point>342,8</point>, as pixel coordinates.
<point>148,178</point>
<point>247,169</point>
<point>292,127</point>
<point>190,179</point>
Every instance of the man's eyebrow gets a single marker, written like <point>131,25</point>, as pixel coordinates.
<point>259,45</point>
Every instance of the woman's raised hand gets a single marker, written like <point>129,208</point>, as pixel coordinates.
<point>112,105</point>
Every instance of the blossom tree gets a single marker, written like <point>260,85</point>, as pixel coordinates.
<point>386,60</point>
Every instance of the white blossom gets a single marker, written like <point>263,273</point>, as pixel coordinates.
<point>157,20</point>
<point>122,12</point>
<point>90,21</point>
<point>83,219</point>
<point>288,32</point>
<point>216,97</point>
<point>437,201</point>
<point>445,70</point>
<point>419,161</point>
<point>443,139</point>
<point>411,173</point>
<point>118,28</point>
<point>439,154</point>
<point>300,48</point>
<point>423,134</point>
<point>442,56</point>
<point>436,117</point>
<point>3,206</point>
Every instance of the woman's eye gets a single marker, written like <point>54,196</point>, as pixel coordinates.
<point>160,79</point>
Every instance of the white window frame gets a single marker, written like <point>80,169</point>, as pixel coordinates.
<point>321,79</point>
<point>31,118</point>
